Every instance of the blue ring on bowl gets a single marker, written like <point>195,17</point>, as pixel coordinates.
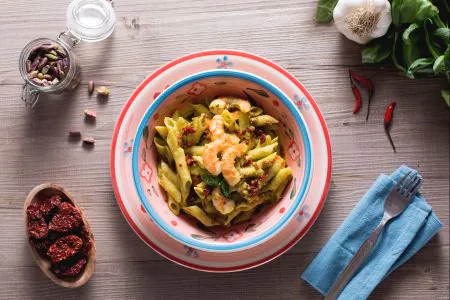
<point>307,160</point>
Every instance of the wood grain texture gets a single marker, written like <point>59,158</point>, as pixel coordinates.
<point>34,146</point>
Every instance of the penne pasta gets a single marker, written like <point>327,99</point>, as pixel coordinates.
<point>195,150</point>
<point>200,215</point>
<point>261,152</point>
<point>282,176</point>
<point>174,206</point>
<point>171,189</point>
<point>167,172</point>
<point>180,162</point>
<point>244,216</point>
<point>251,172</point>
<point>163,150</point>
<point>263,120</point>
<point>220,161</point>
<point>201,109</point>
<point>162,131</point>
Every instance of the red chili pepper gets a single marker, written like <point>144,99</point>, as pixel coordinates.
<point>388,116</point>
<point>358,99</point>
<point>356,93</point>
<point>366,83</point>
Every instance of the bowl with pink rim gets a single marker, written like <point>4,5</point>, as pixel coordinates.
<point>143,224</point>
<point>294,141</point>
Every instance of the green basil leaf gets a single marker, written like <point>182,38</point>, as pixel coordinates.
<point>210,180</point>
<point>439,65</point>
<point>447,59</point>
<point>432,46</point>
<point>324,12</point>
<point>214,181</point>
<point>395,61</point>
<point>411,43</point>
<point>419,64</point>
<point>224,189</point>
<point>375,53</point>
<point>443,34</point>
<point>411,11</point>
<point>379,49</point>
<point>446,96</point>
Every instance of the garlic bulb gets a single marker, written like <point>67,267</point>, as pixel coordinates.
<point>362,20</point>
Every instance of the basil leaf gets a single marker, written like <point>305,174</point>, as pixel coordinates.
<point>411,40</point>
<point>210,180</point>
<point>419,64</point>
<point>411,11</point>
<point>224,189</point>
<point>394,54</point>
<point>375,52</point>
<point>447,59</point>
<point>324,11</point>
<point>432,46</point>
<point>439,65</point>
<point>214,181</point>
<point>446,96</point>
<point>443,34</point>
<point>379,49</point>
<point>442,63</point>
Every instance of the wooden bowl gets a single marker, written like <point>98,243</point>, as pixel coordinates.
<point>44,191</point>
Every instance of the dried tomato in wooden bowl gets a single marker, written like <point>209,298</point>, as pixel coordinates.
<point>59,235</point>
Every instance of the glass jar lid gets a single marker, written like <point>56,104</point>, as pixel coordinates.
<point>90,20</point>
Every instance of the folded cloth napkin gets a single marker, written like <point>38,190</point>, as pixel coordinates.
<point>400,240</point>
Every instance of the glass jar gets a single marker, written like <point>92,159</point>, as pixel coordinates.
<point>87,20</point>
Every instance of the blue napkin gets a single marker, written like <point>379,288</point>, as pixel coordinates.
<point>400,240</point>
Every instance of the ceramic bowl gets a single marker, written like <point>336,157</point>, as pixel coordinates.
<point>294,140</point>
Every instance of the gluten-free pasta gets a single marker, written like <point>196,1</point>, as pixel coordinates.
<point>220,161</point>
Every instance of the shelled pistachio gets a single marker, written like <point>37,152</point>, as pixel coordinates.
<point>47,64</point>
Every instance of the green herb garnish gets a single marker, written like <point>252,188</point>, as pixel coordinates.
<point>214,181</point>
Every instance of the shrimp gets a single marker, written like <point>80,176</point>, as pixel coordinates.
<point>221,203</point>
<point>210,157</point>
<point>220,142</point>
<point>216,127</point>
<point>243,105</point>
<point>217,106</point>
<point>229,171</point>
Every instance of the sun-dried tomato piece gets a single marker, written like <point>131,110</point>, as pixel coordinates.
<point>87,241</point>
<point>49,205</point>
<point>37,229</point>
<point>73,270</point>
<point>188,129</point>
<point>33,212</point>
<point>41,245</point>
<point>196,179</point>
<point>207,191</point>
<point>66,219</point>
<point>64,248</point>
<point>190,160</point>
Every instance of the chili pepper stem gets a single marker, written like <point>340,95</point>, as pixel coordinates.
<point>368,108</point>
<point>388,115</point>
<point>388,133</point>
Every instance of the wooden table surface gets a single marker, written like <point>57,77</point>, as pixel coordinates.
<point>34,147</point>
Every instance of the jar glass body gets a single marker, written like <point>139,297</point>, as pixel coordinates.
<point>31,89</point>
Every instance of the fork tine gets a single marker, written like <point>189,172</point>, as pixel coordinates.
<point>415,187</point>
<point>403,190</point>
<point>400,182</point>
